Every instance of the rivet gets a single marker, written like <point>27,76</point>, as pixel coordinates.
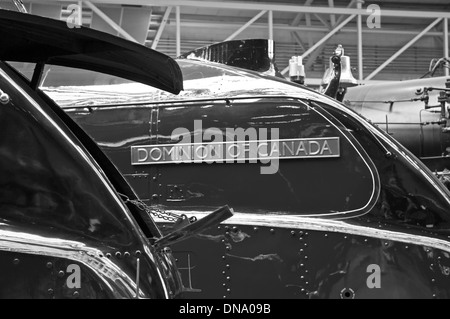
<point>386,244</point>
<point>227,228</point>
<point>76,294</point>
<point>4,98</point>
<point>439,258</point>
<point>138,253</point>
<point>229,290</point>
<point>16,261</point>
<point>176,260</point>
<point>293,233</point>
<point>302,277</point>
<point>434,296</point>
<point>228,278</point>
<point>306,234</point>
<point>118,254</point>
<point>301,250</point>
<point>306,245</point>
<point>49,265</point>
<point>433,280</point>
<point>432,265</point>
<point>228,266</point>
<point>218,227</point>
<point>366,240</point>
<point>300,233</point>
<point>224,272</point>
<point>306,257</point>
<point>224,297</point>
<point>302,265</point>
<point>235,228</point>
<point>108,255</point>
<point>303,290</point>
<point>301,238</point>
<point>306,271</point>
<point>223,257</point>
<point>226,234</point>
<point>306,283</point>
<point>326,235</point>
<point>255,229</point>
<point>126,254</point>
<point>61,274</point>
<point>345,237</point>
<point>406,247</point>
<point>228,247</point>
<point>50,291</point>
<point>272,231</point>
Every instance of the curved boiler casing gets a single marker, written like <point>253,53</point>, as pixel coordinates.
<point>396,108</point>
<point>347,212</point>
<point>67,229</point>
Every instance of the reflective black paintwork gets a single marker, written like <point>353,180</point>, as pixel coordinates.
<point>317,228</point>
<point>62,217</point>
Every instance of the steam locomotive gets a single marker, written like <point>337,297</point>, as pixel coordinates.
<point>71,226</point>
<point>326,204</point>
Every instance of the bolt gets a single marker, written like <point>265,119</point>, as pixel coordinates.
<point>49,265</point>
<point>61,274</point>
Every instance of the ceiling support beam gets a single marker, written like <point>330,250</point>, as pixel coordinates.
<point>384,30</point>
<point>270,18</point>
<point>359,4</point>
<point>323,40</point>
<point>178,37</point>
<point>300,16</point>
<point>446,43</point>
<point>108,20</point>
<point>402,50</point>
<point>332,16</point>
<point>161,28</point>
<point>298,40</point>
<point>245,26</point>
<point>269,6</point>
<point>80,15</point>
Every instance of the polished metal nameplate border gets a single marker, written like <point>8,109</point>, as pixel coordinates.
<point>236,152</point>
